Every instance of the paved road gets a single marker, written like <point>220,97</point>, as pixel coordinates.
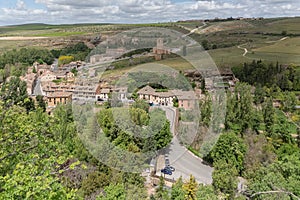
<point>184,161</point>
<point>38,88</point>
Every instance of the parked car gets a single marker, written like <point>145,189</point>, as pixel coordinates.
<point>166,171</point>
<point>170,168</point>
<point>167,161</point>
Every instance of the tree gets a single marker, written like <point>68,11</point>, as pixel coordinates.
<point>244,109</point>
<point>281,177</point>
<point>41,102</point>
<point>175,103</point>
<point>260,152</point>
<point>136,192</point>
<point>259,94</point>
<point>164,136</point>
<point>239,115</point>
<point>231,149</point>
<point>30,157</point>
<point>206,192</point>
<point>298,137</point>
<point>268,115</point>
<point>25,56</point>
<point>95,181</point>
<point>14,92</point>
<point>205,44</point>
<point>161,192</point>
<point>139,103</point>
<point>177,192</point>
<point>225,178</point>
<point>62,60</point>
<point>113,192</point>
<point>190,188</point>
<point>289,101</point>
<point>206,110</point>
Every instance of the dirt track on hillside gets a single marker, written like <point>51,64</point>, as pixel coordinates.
<point>19,38</point>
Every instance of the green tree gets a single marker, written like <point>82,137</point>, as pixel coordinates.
<point>281,176</point>
<point>230,148</point>
<point>206,110</point>
<point>268,115</point>
<point>259,94</point>
<point>161,192</point>
<point>206,192</point>
<point>95,181</point>
<point>244,107</point>
<point>14,92</point>
<point>30,157</point>
<point>205,44</point>
<point>41,102</point>
<point>136,192</point>
<point>113,192</point>
<point>177,192</point>
<point>225,178</point>
<point>289,101</point>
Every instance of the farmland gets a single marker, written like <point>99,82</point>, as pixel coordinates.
<point>261,38</point>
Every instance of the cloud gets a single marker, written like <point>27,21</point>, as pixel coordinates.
<point>139,11</point>
<point>20,5</point>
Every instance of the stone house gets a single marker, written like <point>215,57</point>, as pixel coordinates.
<point>87,93</point>
<point>57,98</point>
<point>104,94</point>
<point>48,76</point>
<point>186,99</point>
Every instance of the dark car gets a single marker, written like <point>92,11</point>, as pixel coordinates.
<point>167,161</point>
<point>166,171</point>
<point>170,168</point>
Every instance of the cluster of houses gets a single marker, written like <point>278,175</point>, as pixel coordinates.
<point>55,83</point>
<point>184,99</point>
<point>58,86</point>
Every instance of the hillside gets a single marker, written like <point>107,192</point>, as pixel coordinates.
<point>228,42</point>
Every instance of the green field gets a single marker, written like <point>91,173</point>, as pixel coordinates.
<point>260,37</point>
<point>228,57</point>
<point>290,45</point>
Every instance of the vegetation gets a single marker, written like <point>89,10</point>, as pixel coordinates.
<point>75,52</point>
<point>159,81</point>
<point>129,138</point>
<point>63,60</point>
<point>42,156</point>
<point>25,56</point>
<point>258,72</point>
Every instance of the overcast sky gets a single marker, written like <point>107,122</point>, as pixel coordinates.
<point>138,11</point>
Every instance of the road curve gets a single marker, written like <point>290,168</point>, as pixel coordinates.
<point>183,160</point>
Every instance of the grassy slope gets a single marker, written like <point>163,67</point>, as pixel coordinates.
<point>226,35</point>
<point>256,36</point>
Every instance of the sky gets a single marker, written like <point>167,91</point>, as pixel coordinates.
<point>138,11</point>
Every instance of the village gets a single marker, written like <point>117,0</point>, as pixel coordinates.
<point>60,84</point>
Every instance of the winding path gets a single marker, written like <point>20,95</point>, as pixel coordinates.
<point>246,50</point>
